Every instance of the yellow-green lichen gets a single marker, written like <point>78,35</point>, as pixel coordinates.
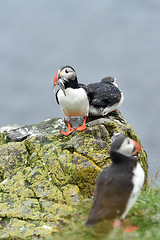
<point>43,177</point>
<point>45,189</point>
<point>13,156</point>
<point>35,174</point>
<point>84,173</point>
<point>71,194</point>
<point>17,185</point>
<point>21,229</point>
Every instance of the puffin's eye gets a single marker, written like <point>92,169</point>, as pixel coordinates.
<point>66,71</point>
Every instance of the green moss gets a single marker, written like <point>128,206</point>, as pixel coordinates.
<point>144,214</point>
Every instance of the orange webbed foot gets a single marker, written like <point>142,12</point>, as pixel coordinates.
<point>67,133</point>
<point>70,130</point>
<point>120,224</point>
<point>130,229</point>
<point>116,223</point>
<point>83,127</point>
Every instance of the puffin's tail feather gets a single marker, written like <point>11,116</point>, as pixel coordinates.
<point>89,223</point>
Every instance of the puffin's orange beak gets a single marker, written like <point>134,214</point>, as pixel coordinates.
<point>55,79</point>
<point>138,147</point>
<point>58,80</point>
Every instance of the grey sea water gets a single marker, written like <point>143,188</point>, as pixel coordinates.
<point>98,38</point>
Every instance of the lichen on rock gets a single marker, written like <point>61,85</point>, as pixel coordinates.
<point>13,157</point>
<point>43,175</point>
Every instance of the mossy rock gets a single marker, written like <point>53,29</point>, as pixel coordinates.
<point>44,174</point>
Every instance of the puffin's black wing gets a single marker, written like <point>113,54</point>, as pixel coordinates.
<point>103,94</point>
<point>110,196</point>
<point>57,97</point>
<point>89,94</point>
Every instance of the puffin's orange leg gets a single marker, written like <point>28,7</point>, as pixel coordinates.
<point>81,128</point>
<point>120,224</point>
<point>116,223</point>
<point>130,229</point>
<point>70,130</point>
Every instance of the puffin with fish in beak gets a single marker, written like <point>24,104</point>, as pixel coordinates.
<point>72,98</point>
<point>93,100</point>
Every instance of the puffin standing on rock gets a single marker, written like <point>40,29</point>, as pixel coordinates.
<point>95,99</point>
<point>72,98</point>
<point>118,186</point>
<point>105,97</point>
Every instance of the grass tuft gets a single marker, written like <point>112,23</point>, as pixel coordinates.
<point>145,215</point>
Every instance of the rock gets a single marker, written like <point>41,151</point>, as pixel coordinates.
<point>43,174</point>
<point>13,158</point>
<point>71,194</point>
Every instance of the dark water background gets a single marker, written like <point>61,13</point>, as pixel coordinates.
<point>98,38</point>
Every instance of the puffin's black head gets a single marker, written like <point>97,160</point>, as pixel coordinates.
<point>124,146</point>
<point>66,77</point>
<point>111,80</point>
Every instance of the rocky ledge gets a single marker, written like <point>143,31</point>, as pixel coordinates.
<point>43,174</point>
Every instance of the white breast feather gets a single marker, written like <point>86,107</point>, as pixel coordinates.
<point>138,181</point>
<point>75,103</point>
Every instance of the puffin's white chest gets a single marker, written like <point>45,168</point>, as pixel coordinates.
<point>138,181</point>
<point>75,103</point>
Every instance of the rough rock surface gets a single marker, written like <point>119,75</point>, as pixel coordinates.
<point>43,174</point>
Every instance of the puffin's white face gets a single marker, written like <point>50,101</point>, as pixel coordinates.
<point>115,82</point>
<point>128,147</point>
<point>67,74</point>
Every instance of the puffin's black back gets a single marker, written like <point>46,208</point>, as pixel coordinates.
<point>103,94</point>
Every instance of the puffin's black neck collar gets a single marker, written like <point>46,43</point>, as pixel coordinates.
<point>119,158</point>
<point>71,84</point>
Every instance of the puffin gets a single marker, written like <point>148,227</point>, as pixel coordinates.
<point>73,99</point>
<point>76,99</point>
<point>105,97</point>
<point>119,185</point>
